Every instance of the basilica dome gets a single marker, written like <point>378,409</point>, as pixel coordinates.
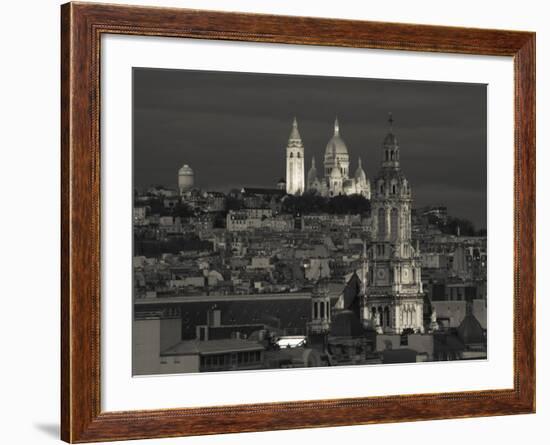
<point>336,146</point>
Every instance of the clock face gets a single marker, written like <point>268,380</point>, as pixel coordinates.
<point>381,273</point>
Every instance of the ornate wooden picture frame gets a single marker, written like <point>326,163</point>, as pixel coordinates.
<point>82,25</point>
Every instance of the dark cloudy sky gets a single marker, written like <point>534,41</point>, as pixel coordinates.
<point>232,129</point>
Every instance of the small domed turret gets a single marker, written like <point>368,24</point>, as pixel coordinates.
<point>360,173</point>
<point>186,178</point>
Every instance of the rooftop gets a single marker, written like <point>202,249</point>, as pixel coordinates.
<point>193,347</point>
<point>213,298</point>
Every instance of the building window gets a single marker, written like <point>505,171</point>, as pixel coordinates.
<point>394,223</point>
<point>382,222</point>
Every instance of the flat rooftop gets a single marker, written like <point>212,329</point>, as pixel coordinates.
<point>194,347</point>
<point>214,298</point>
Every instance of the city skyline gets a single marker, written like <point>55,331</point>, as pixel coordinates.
<point>326,266</point>
<point>245,144</point>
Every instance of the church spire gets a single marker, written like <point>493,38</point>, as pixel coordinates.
<point>294,133</point>
<point>390,147</point>
<point>312,174</point>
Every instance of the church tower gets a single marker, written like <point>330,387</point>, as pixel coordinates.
<point>295,162</point>
<point>395,297</point>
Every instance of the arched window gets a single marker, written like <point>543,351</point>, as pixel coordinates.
<point>387,316</point>
<point>394,223</point>
<point>393,189</point>
<point>382,222</point>
<point>298,155</point>
<point>315,312</point>
<point>322,310</point>
<point>387,155</point>
<point>291,154</point>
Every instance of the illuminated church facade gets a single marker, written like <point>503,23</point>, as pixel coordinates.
<point>334,179</point>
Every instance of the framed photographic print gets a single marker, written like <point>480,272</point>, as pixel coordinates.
<point>276,222</point>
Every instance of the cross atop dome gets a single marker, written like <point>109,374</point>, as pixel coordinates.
<point>336,127</point>
<point>390,120</point>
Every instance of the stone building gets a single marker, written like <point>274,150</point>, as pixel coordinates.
<point>336,179</point>
<point>394,299</point>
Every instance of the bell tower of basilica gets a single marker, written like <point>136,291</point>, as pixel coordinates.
<point>295,162</point>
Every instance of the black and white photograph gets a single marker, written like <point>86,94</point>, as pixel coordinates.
<point>292,221</point>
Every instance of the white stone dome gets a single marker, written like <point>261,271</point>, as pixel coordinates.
<point>336,146</point>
